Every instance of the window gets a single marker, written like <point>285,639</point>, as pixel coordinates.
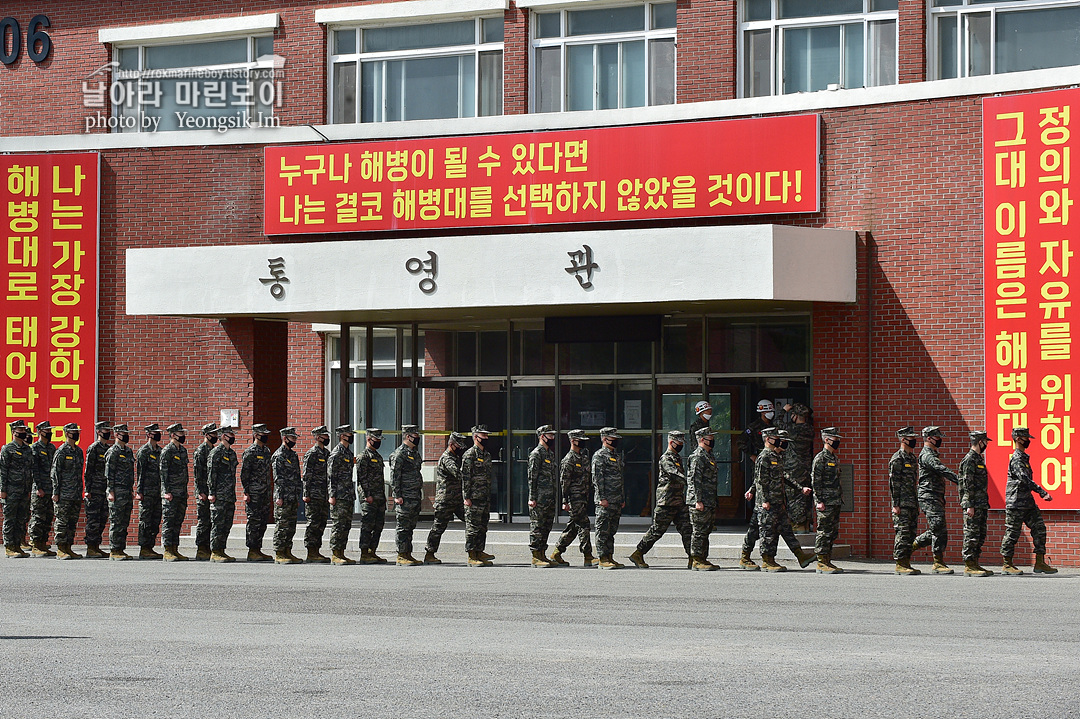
<point>984,37</point>
<point>196,85</point>
<point>604,58</point>
<point>417,72</point>
<point>808,45</point>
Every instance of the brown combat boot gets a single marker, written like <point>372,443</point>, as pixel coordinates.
<point>768,563</point>
<point>972,569</point>
<point>606,562</point>
<point>430,558</point>
<point>256,555</point>
<point>119,555</point>
<point>805,558</point>
<point>314,557</point>
<point>1008,568</point>
<point>148,553</point>
<point>485,556</point>
<point>700,564</point>
<point>93,551</point>
<point>939,565</point>
<point>286,557</point>
<point>590,560</point>
<point>406,559</point>
<point>476,560</point>
<point>14,551</point>
<point>557,559</point>
<point>745,562</point>
<point>337,556</point>
<point>903,567</point>
<point>377,558</point>
<point>823,565</point>
<point>366,557</point>
<point>202,553</point>
<point>220,557</point>
<point>1041,567</point>
<point>64,551</point>
<point>539,560</point>
<point>172,554</point>
<point>41,549</point>
<point>638,558</point>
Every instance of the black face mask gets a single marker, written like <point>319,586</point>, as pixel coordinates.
<point>481,442</point>
<point>782,444</point>
<point>106,436</point>
<point>709,443</point>
<point>123,437</point>
<point>262,438</point>
<point>936,441</point>
<point>1025,443</point>
<point>74,436</point>
<point>156,436</point>
<point>290,443</point>
<point>229,439</point>
<point>349,439</point>
<point>211,438</point>
<point>324,440</point>
<point>833,444</point>
<point>613,443</point>
<point>910,443</point>
<point>376,443</point>
<point>181,439</point>
<point>678,447</point>
<point>21,435</point>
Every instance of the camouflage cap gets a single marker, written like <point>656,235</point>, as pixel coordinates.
<point>43,427</point>
<point>704,432</point>
<point>907,432</point>
<point>152,427</point>
<point>831,432</point>
<point>176,429</point>
<point>481,429</point>
<point>373,433</point>
<point>578,434</point>
<point>545,429</point>
<point>978,436</point>
<point>121,428</point>
<point>260,429</point>
<point>1021,433</point>
<point>677,435</point>
<point>17,424</point>
<point>102,426</point>
<point>343,429</point>
<point>459,439</point>
<point>321,429</point>
<point>72,427</point>
<point>609,433</point>
<point>288,432</point>
<point>209,428</point>
<point>410,430</point>
<point>775,433</point>
<point>226,429</point>
<point>800,410</point>
<point>929,432</point>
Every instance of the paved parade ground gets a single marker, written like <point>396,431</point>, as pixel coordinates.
<point>97,639</point>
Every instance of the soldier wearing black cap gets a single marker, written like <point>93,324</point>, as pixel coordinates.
<point>371,487</point>
<point>449,502</point>
<point>342,494</point>
<point>202,491</point>
<point>407,489</point>
<point>903,489</point>
<point>975,502</point>
<point>798,458</point>
<point>1020,508</point>
<point>477,476</point>
<point>41,504</point>
<point>608,489</point>
<point>256,476</point>
<point>542,473</point>
<point>701,474</point>
<point>828,499</point>
<point>771,482</point>
<point>221,482</point>
<point>67,490</point>
<point>148,492</point>
<point>16,482</point>
<point>120,484</point>
<point>96,505</point>
<point>287,491</point>
<point>316,504</point>
<point>173,470</point>
<point>670,505</point>
<point>932,476</point>
<point>575,479</point>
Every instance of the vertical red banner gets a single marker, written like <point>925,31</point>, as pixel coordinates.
<point>50,294</point>
<point>1030,239</point>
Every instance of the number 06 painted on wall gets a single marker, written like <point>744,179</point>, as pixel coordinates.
<point>38,42</point>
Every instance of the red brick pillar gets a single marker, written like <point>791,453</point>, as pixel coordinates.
<point>911,41</point>
<point>707,55</point>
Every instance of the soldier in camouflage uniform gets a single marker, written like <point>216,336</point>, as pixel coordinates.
<point>670,505</point>
<point>371,486</point>
<point>770,482</point>
<point>701,498</point>
<point>607,474</point>
<point>221,482</point>
<point>1020,508</point>
<point>16,483</point>
<point>903,482</point>
<point>932,476</point>
<point>316,506</point>
<point>797,460</point>
<point>287,490</point>
<point>96,505</point>
<point>575,480</point>
<point>173,469</point>
<point>543,470</point>
<point>975,502</point>
<point>256,477</point>
<point>750,441</point>
<point>148,492</point>
<point>407,489</point>
<point>67,491</point>
<point>41,504</point>
<point>477,476</point>
<point>828,498</point>
<point>202,492</point>
<point>342,494</point>
<point>449,502</point>
<point>120,485</point>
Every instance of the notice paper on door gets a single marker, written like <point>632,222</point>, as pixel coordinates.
<point>632,413</point>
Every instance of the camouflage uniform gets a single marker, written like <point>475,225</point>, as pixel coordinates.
<point>542,470</point>
<point>173,470</point>
<point>575,479</point>
<point>932,476</point>
<point>221,480</point>
<point>750,441</point>
<point>770,483</point>
<point>97,500</point>
<point>477,476</point>
<point>287,488</point>
<point>371,482</point>
<point>797,461</point>
<point>903,480</point>
<point>41,507</point>
<point>406,484</point>
<point>67,486</point>
<point>317,509</point>
<point>670,504</point>
<point>256,476</point>
<point>701,487</point>
<point>607,474</point>
<point>449,502</point>
<point>343,493</point>
<point>149,487</point>
<point>202,489</point>
<point>825,479</point>
<point>973,495</point>
<point>1020,507</point>
<point>120,483</point>
<point>17,480</point>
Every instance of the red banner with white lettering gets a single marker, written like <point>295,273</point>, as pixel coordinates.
<point>724,168</point>
<point>1030,239</point>
<point>51,205</point>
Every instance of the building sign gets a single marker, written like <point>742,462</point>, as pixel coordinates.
<point>1031,237</point>
<point>694,169</point>
<point>51,205</point>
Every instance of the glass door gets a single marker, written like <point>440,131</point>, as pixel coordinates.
<point>532,403</point>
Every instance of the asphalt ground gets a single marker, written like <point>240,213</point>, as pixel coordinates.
<point>95,638</point>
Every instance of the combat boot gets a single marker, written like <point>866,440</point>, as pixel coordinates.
<point>366,557</point>
<point>255,555</point>
<point>377,558</point>
<point>539,560</point>
<point>638,559</point>
<point>148,553</point>
<point>406,559</point>
<point>745,562</point>
<point>1008,568</point>
<point>485,556</point>
<point>221,557</point>
<point>119,555</point>
<point>430,558</point>
<point>93,551</point>
<point>805,558</point>
<point>64,551</point>
<point>13,551</point>
<point>822,567</point>
<point>172,554</point>
<point>41,550</point>
<point>286,557</point>
<point>1041,567</point>
<point>26,546</point>
<point>557,560</point>
<point>337,556</point>
<point>476,559</point>
<point>768,563</point>
<point>314,557</point>
<point>606,562</point>
<point>939,565</point>
<point>981,568</point>
<point>202,553</point>
<point>590,560</point>
<point>972,569</point>
<point>903,566</point>
<point>700,564</point>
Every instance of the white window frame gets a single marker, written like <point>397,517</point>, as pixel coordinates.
<point>564,41</point>
<point>777,28</point>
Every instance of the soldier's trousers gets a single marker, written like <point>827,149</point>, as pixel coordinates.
<point>828,529</point>
<point>256,508</point>
<point>937,533</point>
<point>476,525</point>
<point>776,523</point>
<point>67,516</point>
<point>407,513</point>
<point>702,523</point>
<point>317,512</point>
<point>16,517</point>
<point>341,514</point>
<point>97,514</point>
<point>904,522</point>
<point>578,526</point>
<point>149,520</point>
<point>202,525</point>
<point>662,518</point>
<point>753,533</point>
<point>800,506</point>
<point>372,521</point>
<point>444,512</point>
<point>284,526</point>
<point>540,521</point>
<point>974,534</point>
<point>607,525</point>
<point>119,519</point>
<point>1015,519</point>
<point>172,518</point>
<point>41,518</point>
<point>221,521</point>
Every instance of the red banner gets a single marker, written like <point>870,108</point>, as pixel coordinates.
<point>1031,237</point>
<point>51,287</point>
<point>696,169</point>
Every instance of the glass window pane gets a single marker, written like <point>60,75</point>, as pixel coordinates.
<point>412,37</point>
<point>493,354</point>
<point>432,87</point>
<point>757,77</point>
<point>882,60</point>
<point>466,354</point>
<point>682,346</point>
<point>633,74</point>
<point>978,42</point>
<point>884,5</point>
<point>1037,39</point>
<point>129,58</point>
<point>491,29</point>
<point>662,72</point>
<point>345,92</point>
<point>587,358</point>
<point>783,348</point>
<point>264,46</point>
<point>548,79</point>
<point>197,54</point>
<point>344,42</point>
<point>467,79</point>
<point>605,20</point>
<point>548,24</point>
<point>395,91</point>
<point>946,47</point>
<point>663,15</point>
<point>634,358</point>
<point>607,76</point>
<point>853,55</point>
<point>579,77</point>
<point>371,91</point>
<point>491,83</point>
<point>811,58</point>
<point>757,10</point>
<point>814,8</point>
<point>947,3</point>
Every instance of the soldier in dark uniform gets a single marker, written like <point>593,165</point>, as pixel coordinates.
<point>202,492</point>
<point>449,502</point>
<point>256,476</point>
<point>670,505</point>
<point>96,505</point>
<point>407,489</point>
<point>16,483</point>
<point>750,441</point>
<point>608,489</point>
<point>903,483</point>
<point>703,412</point>
<point>316,506</point>
<point>342,494</point>
<point>173,469</point>
<point>575,480</point>
<point>975,502</point>
<point>148,492</point>
<point>287,491</point>
<point>120,484</point>
<point>1020,508</point>
<point>797,460</point>
<point>770,483</point>
<point>371,488</point>
<point>543,471</point>
<point>828,498</point>
<point>701,476</point>
<point>477,476</point>
<point>41,505</point>
<point>221,480</point>
<point>67,490</point>
<point>932,476</point>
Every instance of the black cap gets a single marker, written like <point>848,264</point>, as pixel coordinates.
<point>978,436</point>
<point>929,432</point>
<point>905,432</point>
<point>209,428</point>
<point>1021,433</point>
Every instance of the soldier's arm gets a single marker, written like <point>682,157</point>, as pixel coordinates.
<point>110,469</point>
<point>396,470</point>
<point>817,478</point>
<point>938,466</point>
<point>964,482</point>
<point>467,475</point>
<point>277,471</point>
<point>534,474</point>
<point>309,463</point>
<point>599,477</point>
<point>54,474</point>
<point>245,470</point>
<point>896,478</point>
<point>564,476</point>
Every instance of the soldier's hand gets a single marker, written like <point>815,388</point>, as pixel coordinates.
<point>112,497</point>
<point>138,496</point>
<point>168,496</point>
<point>307,499</point>
<point>970,511</point>
<point>202,497</point>
<point>806,491</point>
<point>245,496</point>
<point>699,506</point>
<point>55,497</point>
<point>532,503</point>
<point>41,493</point>
<point>86,495</point>
<point>603,503</point>
<point>398,500</point>
<point>765,506</point>
<point>3,495</point>
<point>1049,498</point>
<point>280,502</point>
<point>566,507</point>
<point>896,510</point>
<point>468,502</point>
<point>333,501</point>
<point>369,500</point>
<point>821,506</point>
<point>622,506</point>
<point>749,495</point>
<point>211,498</point>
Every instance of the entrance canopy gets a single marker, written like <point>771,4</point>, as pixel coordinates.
<point>510,275</point>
